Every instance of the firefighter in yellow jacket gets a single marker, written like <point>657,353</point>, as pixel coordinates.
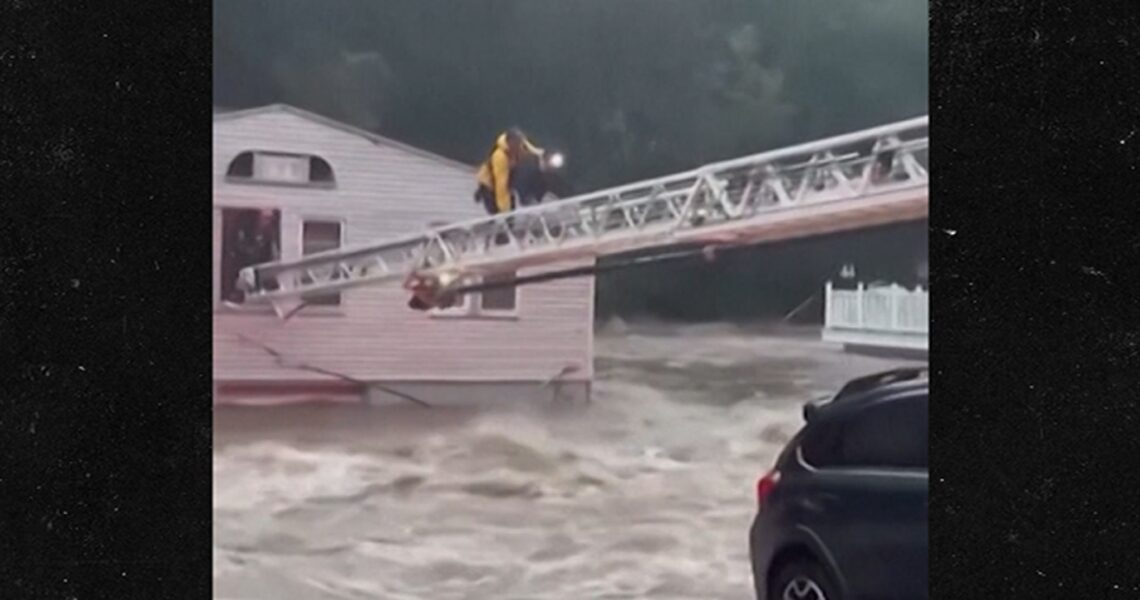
<point>494,175</point>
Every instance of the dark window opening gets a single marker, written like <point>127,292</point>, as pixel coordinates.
<point>241,166</point>
<point>249,237</point>
<point>320,171</point>
<point>499,299</point>
<point>321,236</point>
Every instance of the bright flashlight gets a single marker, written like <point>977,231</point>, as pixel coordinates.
<point>556,160</point>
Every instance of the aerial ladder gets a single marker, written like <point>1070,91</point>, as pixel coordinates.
<point>862,179</point>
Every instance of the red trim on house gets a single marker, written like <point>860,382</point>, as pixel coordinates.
<point>275,388</point>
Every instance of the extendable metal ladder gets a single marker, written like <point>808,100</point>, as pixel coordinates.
<point>860,179</point>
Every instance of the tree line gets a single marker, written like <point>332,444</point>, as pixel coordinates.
<point>627,88</point>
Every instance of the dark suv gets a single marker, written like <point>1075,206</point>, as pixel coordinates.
<point>842,514</point>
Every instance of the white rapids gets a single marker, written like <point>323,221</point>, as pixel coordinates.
<point>647,492</point>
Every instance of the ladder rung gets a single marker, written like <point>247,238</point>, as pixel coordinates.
<point>740,194</point>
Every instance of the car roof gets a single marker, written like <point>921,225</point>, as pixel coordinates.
<point>866,390</point>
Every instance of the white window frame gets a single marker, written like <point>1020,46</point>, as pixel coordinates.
<point>258,176</point>
<point>262,160</point>
<point>220,307</point>
<point>317,310</point>
<point>499,312</point>
<point>471,307</point>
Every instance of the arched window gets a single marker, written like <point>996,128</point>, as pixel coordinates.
<point>256,166</point>
<point>241,165</point>
<point>320,171</point>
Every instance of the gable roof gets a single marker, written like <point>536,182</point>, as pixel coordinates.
<point>377,139</point>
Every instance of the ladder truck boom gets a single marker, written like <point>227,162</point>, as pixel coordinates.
<point>860,179</point>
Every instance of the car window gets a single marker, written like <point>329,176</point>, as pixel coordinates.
<point>888,435</point>
<point>820,446</point>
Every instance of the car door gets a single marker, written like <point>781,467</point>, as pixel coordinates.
<point>867,499</point>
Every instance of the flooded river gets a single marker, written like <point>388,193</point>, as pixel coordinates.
<point>647,492</point>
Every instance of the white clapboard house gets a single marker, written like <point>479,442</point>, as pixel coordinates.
<point>317,184</point>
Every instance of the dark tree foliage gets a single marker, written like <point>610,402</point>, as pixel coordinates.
<point>627,88</point>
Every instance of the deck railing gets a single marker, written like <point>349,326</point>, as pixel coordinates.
<point>886,309</point>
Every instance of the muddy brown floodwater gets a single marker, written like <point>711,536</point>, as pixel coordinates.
<point>647,492</point>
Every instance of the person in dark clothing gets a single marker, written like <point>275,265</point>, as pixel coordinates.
<point>254,242</point>
<point>528,181</point>
<point>883,167</point>
<point>258,244</point>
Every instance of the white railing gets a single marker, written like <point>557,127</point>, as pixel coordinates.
<point>888,309</point>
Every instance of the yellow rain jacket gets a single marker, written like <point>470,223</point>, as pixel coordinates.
<point>495,173</point>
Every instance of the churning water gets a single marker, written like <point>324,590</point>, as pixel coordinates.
<point>647,492</point>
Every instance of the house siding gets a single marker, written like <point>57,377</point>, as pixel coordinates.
<point>382,191</point>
